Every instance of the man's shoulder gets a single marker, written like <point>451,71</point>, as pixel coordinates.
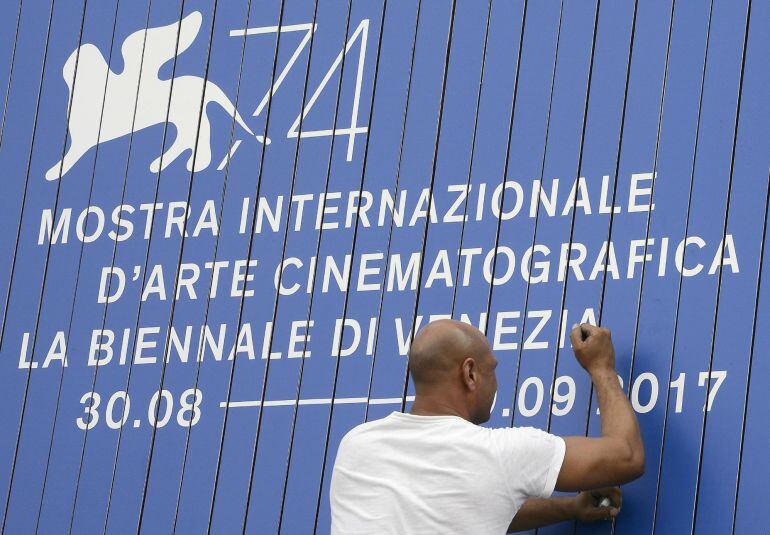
<point>361,430</point>
<point>359,439</point>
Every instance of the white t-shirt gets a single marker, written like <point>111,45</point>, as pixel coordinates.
<point>438,474</point>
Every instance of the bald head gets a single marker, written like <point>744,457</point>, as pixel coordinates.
<point>439,348</point>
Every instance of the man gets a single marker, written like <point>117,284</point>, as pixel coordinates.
<point>435,470</point>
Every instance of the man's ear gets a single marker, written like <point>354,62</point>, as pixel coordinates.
<point>470,372</point>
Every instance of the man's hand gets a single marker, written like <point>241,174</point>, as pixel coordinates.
<point>587,508</point>
<point>539,512</point>
<point>593,348</point>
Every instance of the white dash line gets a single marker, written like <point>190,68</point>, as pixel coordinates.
<point>317,401</point>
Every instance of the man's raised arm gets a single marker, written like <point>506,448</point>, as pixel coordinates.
<point>618,455</point>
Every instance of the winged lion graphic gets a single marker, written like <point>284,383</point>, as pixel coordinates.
<point>139,82</point>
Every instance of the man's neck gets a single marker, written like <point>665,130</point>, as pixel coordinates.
<point>427,405</point>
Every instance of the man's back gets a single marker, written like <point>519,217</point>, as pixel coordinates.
<point>428,474</point>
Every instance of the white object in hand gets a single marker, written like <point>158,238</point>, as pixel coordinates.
<point>605,502</point>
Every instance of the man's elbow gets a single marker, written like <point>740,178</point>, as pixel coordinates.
<point>631,471</point>
<point>633,464</point>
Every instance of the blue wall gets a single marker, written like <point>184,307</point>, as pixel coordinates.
<point>173,352</point>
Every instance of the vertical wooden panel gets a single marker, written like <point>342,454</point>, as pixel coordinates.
<point>700,294</point>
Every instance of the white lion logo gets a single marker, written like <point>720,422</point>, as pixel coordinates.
<point>153,106</point>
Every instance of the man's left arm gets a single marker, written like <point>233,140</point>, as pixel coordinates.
<point>539,512</point>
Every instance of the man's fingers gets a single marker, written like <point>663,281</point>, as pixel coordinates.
<point>602,513</point>
<point>589,330</point>
<point>606,504</point>
<point>576,335</point>
<point>607,513</point>
<point>582,332</point>
<point>613,495</point>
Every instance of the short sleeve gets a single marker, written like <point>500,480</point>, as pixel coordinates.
<point>531,460</point>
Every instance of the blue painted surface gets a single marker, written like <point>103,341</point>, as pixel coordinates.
<point>408,141</point>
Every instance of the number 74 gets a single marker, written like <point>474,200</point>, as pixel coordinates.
<point>362,32</point>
